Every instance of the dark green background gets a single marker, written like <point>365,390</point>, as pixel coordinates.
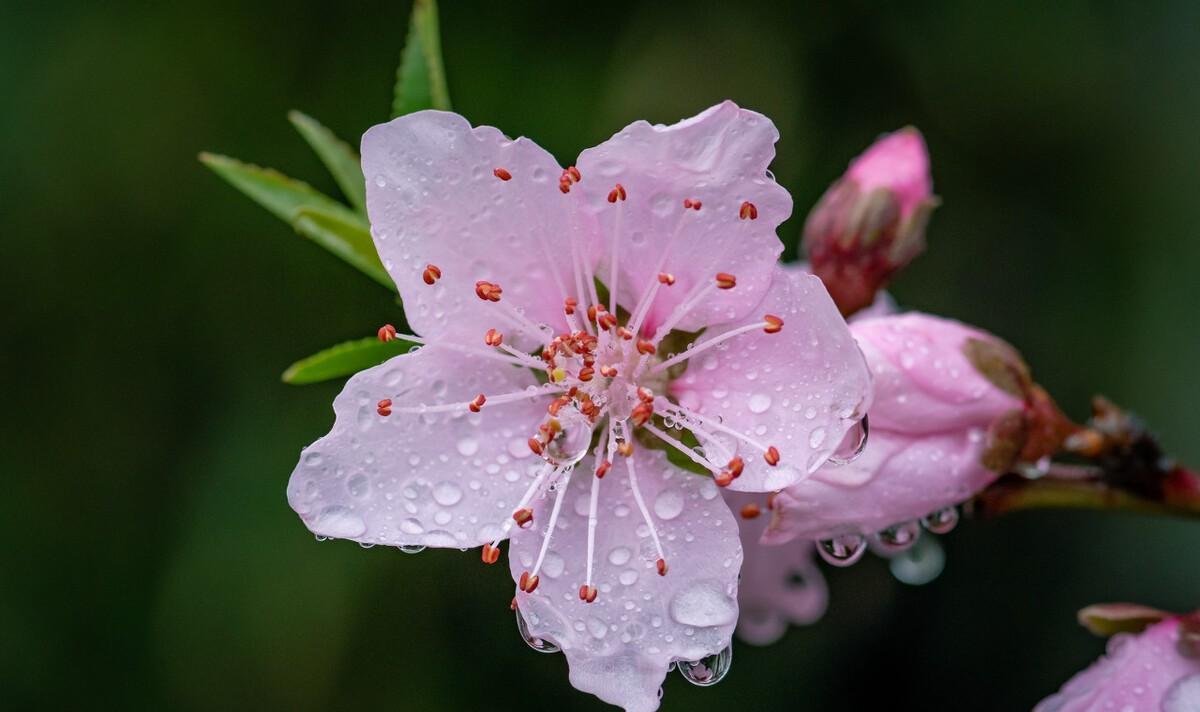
<point>149,557</point>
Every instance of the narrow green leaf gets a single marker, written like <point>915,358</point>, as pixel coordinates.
<point>349,239</point>
<point>341,160</point>
<point>421,79</point>
<point>344,359</point>
<point>281,195</point>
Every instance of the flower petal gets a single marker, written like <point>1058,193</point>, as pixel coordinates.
<point>779,584</point>
<point>799,390</point>
<point>619,646</point>
<point>720,158</point>
<point>431,479</point>
<point>896,479</point>
<point>433,197</point>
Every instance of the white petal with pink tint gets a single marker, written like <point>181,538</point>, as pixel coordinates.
<point>448,479</point>
<point>800,389</point>
<point>433,198</point>
<point>620,645</point>
<point>718,157</point>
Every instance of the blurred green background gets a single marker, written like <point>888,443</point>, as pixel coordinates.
<point>150,559</point>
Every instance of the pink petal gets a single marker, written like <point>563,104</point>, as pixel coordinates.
<point>619,646</point>
<point>898,478</point>
<point>780,585</point>
<point>720,158</point>
<point>923,380</point>
<point>898,162</point>
<point>433,198</point>
<point>884,304</point>
<point>1142,673</point>
<point>799,390</point>
<point>433,479</point>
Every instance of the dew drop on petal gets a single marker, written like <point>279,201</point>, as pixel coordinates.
<point>1183,695</point>
<point>447,493</point>
<point>468,447</point>
<point>619,556</point>
<point>759,403</point>
<point>703,604</point>
<point>668,504</point>
<point>339,521</point>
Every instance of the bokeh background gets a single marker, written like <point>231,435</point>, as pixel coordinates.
<point>149,559</point>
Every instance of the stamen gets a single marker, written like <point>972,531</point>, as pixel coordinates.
<point>490,554</point>
<point>574,173</point>
<point>748,211</point>
<point>558,500</point>
<point>528,583</point>
<point>726,280</point>
<point>587,593</point>
<point>651,289</point>
<point>687,451</point>
<point>431,274</point>
<point>523,516</point>
<point>646,347</point>
<point>750,511</point>
<point>606,442</point>
<point>717,425</point>
<point>477,402</point>
<point>772,456</point>
<point>502,174</point>
<point>493,338</point>
<point>386,333</point>
<point>641,414</point>
<point>475,405</point>
<point>536,446</point>
<point>641,505</point>
<point>608,371</point>
<point>661,565</point>
<point>770,324</point>
<point>602,468</point>
<point>569,305</point>
<point>507,525</point>
<point>488,291</point>
<point>774,324</point>
<point>617,193</point>
<point>384,407</point>
<point>666,278</point>
<point>689,204</point>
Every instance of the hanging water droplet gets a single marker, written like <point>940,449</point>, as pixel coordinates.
<point>942,521</point>
<point>709,670</point>
<point>541,646</point>
<point>920,564</point>
<point>846,454</point>
<point>898,537</point>
<point>842,550</point>
<point>411,548</point>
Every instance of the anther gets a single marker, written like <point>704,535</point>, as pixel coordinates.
<point>535,445</point>
<point>607,320</point>
<point>624,333</point>
<point>748,211</point>
<point>569,305</point>
<point>640,414</point>
<point>645,347</point>
<point>527,583</point>
<point>586,373</point>
<point>513,606</point>
<point>564,184</point>
<point>431,274</point>
<point>523,516</point>
<point>723,478</point>
<point>502,174</point>
<point>384,407</point>
<point>386,333</point>
<point>587,594</point>
<point>574,173</point>
<point>751,511</point>
<point>773,324</point>
<point>666,278</point>
<point>772,456</point>
<point>661,565</point>
<point>591,312</point>
<point>735,466</point>
<point>476,404</point>
<point>490,554</point>
<point>602,469</point>
<point>726,280</point>
<point>608,371</point>
<point>493,338</point>
<point>625,449</point>
<point>689,204</point>
<point>488,291</point>
<point>617,193</point>
<point>645,395</point>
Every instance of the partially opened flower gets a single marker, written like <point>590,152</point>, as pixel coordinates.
<point>1157,670</point>
<point>546,396</point>
<point>954,408</point>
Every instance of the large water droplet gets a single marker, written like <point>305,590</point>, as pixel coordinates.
<point>920,564</point>
<point>898,537</point>
<point>942,521</point>
<point>411,548</point>
<point>668,504</point>
<point>468,447</point>
<point>853,443</point>
<point>759,402</point>
<point>703,604</point>
<point>842,550</point>
<point>339,521</point>
<point>708,670</point>
<point>1183,696</point>
<point>447,493</point>
<point>816,438</point>
<point>542,646</point>
<point>572,443</point>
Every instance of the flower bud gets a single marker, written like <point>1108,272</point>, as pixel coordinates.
<point>871,222</point>
<point>953,409</point>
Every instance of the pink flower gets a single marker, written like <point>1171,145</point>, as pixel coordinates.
<point>948,417</point>
<point>1155,671</point>
<point>542,410</point>
<point>871,222</point>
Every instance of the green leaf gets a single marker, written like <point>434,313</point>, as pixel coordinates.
<point>344,359</point>
<point>421,79</point>
<point>281,195</point>
<point>341,160</point>
<point>348,239</point>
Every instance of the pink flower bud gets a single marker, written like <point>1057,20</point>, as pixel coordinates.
<point>1155,671</point>
<point>871,222</point>
<point>954,407</point>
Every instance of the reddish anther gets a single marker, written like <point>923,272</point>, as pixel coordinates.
<point>476,404</point>
<point>386,333</point>
<point>726,280</point>
<point>645,347</point>
<point>723,478</point>
<point>493,338</point>
<point>502,174</point>
<point>617,193</point>
<point>735,466</point>
<point>573,172</point>
<point>431,274</point>
<point>490,554</point>
<point>586,374</point>
<point>488,291</point>
<point>569,305</point>
<point>523,516</point>
<point>625,449</point>
<point>527,583</point>
<point>689,204</point>
<point>774,324</point>
<point>384,407</point>
<point>564,184</point>
<point>608,371</point>
<point>751,511</point>
<point>645,395</point>
<point>513,605</point>
<point>772,456</point>
<point>535,445</point>
<point>666,278</point>
<point>748,211</point>
<point>624,333</point>
<point>587,594</point>
<point>641,414</point>
<point>607,320</point>
<point>661,565</point>
<point>602,469</point>
<point>591,312</point>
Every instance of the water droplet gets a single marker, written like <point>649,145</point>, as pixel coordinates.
<point>619,556</point>
<point>411,548</point>
<point>853,443</point>
<point>668,504</point>
<point>759,402</point>
<point>703,604</point>
<point>920,564</point>
<point>708,670</point>
<point>542,646</point>
<point>340,522</point>
<point>898,537</point>
<point>942,521</point>
<point>816,437</point>
<point>1183,695</point>
<point>628,577</point>
<point>447,493</point>
<point>468,447</point>
<point>572,443</point>
<point>380,181</point>
<point>842,550</point>
<point>358,485</point>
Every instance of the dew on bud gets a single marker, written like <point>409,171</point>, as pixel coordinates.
<point>843,550</point>
<point>708,670</point>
